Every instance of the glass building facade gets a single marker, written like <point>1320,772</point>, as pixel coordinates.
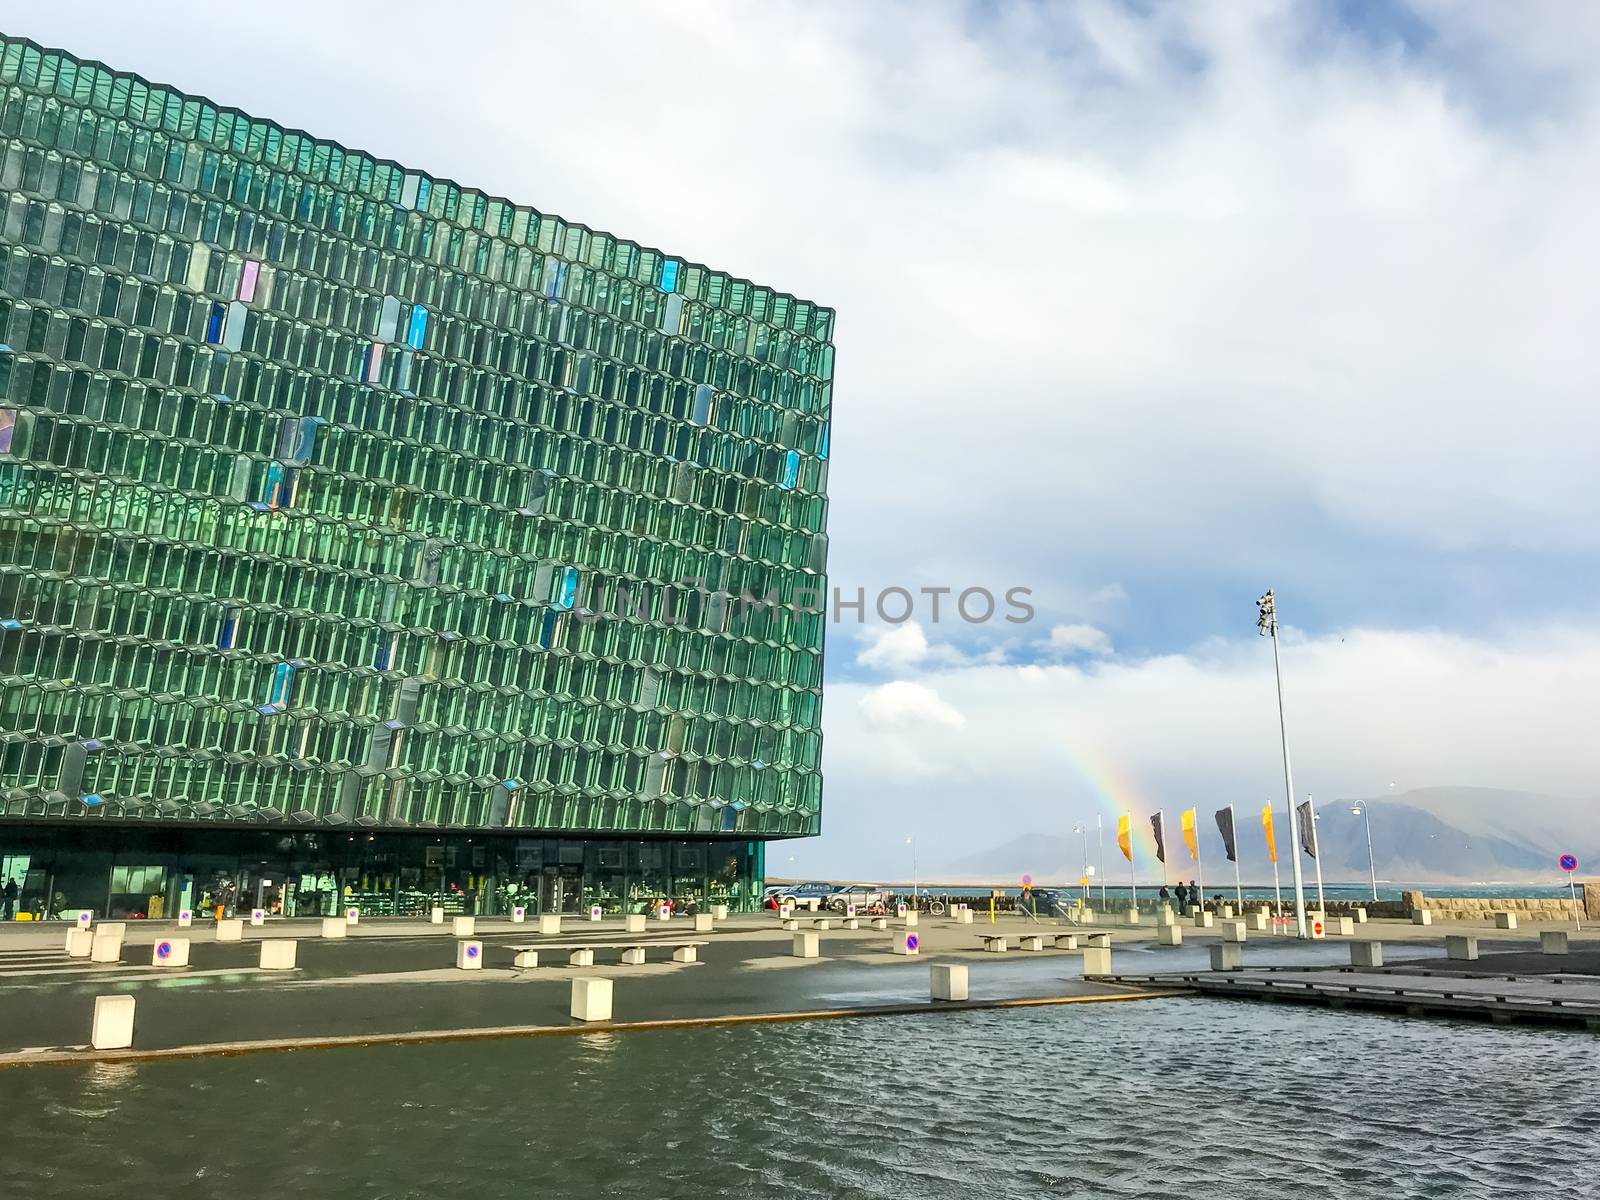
<point>366,534</point>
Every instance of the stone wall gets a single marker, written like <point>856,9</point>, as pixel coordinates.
<point>1481,908</point>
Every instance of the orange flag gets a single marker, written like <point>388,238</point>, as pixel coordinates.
<point>1266,824</point>
<point>1124,836</point>
<point>1188,835</point>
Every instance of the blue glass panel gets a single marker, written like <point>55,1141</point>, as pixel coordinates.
<point>419,327</point>
<point>669,276</point>
<point>791,470</point>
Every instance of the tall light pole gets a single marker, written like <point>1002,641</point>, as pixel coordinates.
<point>1359,809</point>
<point>1267,623</point>
<point>1100,833</point>
<point>913,875</point>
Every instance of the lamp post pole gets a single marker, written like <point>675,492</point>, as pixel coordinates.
<point>913,874</point>
<point>1360,808</point>
<point>1100,833</point>
<point>1267,623</point>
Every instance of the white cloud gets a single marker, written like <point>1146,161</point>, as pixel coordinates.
<point>903,704</point>
<point>1079,639</point>
<point>895,647</point>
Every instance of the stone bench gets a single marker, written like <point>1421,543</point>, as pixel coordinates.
<point>994,943</point>
<point>581,954</point>
<point>1461,946</point>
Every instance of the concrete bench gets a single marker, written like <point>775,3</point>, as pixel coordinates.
<point>581,954</point>
<point>1460,946</point>
<point>995,943</point>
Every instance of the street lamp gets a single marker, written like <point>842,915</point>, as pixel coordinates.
<point>1267,623</point>
<point>913,875</point>
<point>1359,809</point>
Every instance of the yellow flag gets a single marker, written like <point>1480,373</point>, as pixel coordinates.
<point>1266,824</point>
<point>1188,836</point>
<point>1123,837</point>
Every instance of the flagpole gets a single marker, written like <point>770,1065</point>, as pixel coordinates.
<point>1161,844</point>
<point>1238,888</point>
<point>1268,623</point>
<point>1100,835</point>
<point>1277,893</point>
<point>1133,880</point>
<point>1316,854</point>
<point>1200,867</point>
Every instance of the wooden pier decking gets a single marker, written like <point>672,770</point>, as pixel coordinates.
<point>1572,1000</point>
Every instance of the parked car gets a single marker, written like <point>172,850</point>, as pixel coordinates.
<point>864,896</point>
<point>803,893</point>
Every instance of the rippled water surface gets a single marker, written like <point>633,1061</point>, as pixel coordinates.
<point>1178,1098</point>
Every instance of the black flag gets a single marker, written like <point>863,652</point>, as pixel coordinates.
<point>1225,824</point>
<point>1161,840</point>
<point>1308,833</point>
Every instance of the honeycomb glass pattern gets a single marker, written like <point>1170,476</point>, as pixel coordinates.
<point>335,494</point>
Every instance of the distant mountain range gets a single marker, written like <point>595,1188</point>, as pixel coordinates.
<point>1434,835</point>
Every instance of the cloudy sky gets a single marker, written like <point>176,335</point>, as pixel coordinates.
<point>1143,307</point>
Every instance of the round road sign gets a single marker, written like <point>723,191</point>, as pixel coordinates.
<point>1316,928</point>
<point>164,950</point>
<point>912,942</point>
<point>1027,881</point>
<point>472,952</point>
<point>1569,862</point>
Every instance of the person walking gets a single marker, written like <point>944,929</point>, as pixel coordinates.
<point>1195,897</point>
<point>8,900</point>
<point>1180,893</point>
<point>1163,895</point>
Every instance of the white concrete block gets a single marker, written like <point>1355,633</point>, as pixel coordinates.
<point>1205,920</point>
<point>1097,960</point>
<point>519,915</point>
<point>278,954</point>
<point>1342,926</point>
<point>106,948</point>
<point>1366,954</point>
<point>996,945</point>
<point>791,925</point>
<point>596,913</point>
<point>1101,941</point>
<point>230,929</point>
<point>113,1023</point>
<point>1030,941</point>
<point>1422,916</point>
<point>462,926</point>
<point>948,981</point>
<point>352,916</point>
<point>824,924</point>
<point>85,919</point>
<point>1169,935</point>
<point>664,913</point>
<point>1256,922</point>
<point>911,919</point>
<point>633,923</point>
<point>1192,910</point>
<point>1552,941</point>
<point>963,916</point>
<point>719,912</point>
<point>703,923</point>
<point>469,956</point>
<point>814,903</point>
<point>907,941</point>
<point>1066,941</point>
<point>335,927</point>
<point>633,956</point>
<point>1505,920</point>
<point>258,917</point>
<point>1227,956</point>
<point>880,922</point>
<point>1461,946</point>
<point>1233,931</point>
<point>1227,912</point>
<point>1316,927</point>
<point>806,945</point>
<point>1086,914</point>
<point>79,942</point>
<point>525,959</point>
<point>1361,916</point>
<point>850,923</point>
<point>1133,916</point>
<point>436,915</point>
<point>185,918</point>
<point>119,928</point>
<point>581,958</point>
<point>170,952</point>
<point>686,954</point>
<point>1165,916</point>
<point>591,998</point>
<point>900,909</point>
